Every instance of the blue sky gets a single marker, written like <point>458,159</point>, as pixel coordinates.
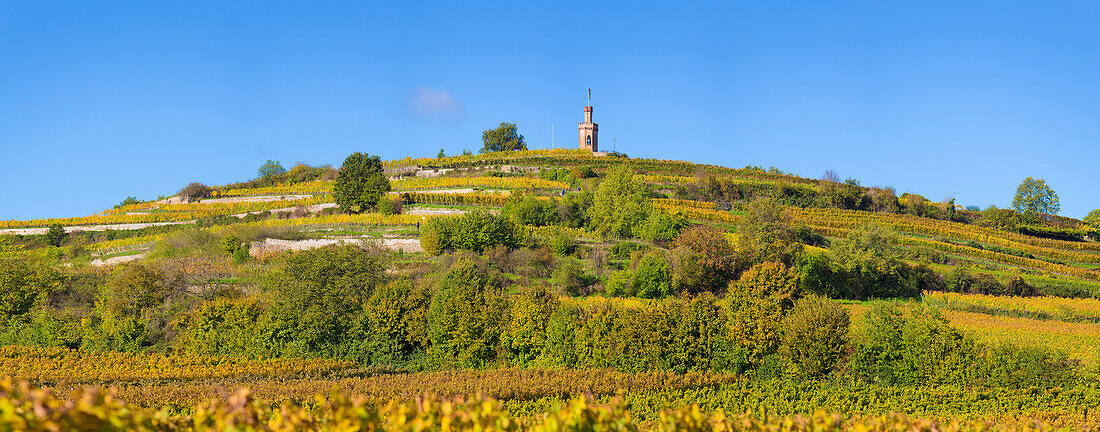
<point>101,100</point>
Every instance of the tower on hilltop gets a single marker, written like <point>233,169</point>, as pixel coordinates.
<point>587,130</point>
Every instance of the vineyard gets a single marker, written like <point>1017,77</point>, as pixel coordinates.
<point>550,290</point>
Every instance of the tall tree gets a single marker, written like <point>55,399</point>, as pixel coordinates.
<point>621,204</point>
<point>360,183</point>
<point>504,138</point>
<point>1093,218</point>
<point>270,170</point>
<point>1034,196</point>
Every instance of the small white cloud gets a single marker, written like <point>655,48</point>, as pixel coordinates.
<point>427,102</point>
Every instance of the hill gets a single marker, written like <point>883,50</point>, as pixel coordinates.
<point>540,276</point>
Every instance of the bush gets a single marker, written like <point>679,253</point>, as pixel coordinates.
<point>475,231</point>
<point>652,276</point>
<point>388,205</point>
<point>529,210</point>
<point>360,183</point>
<point>866,264</point>
<point>765,234</point>
<point>318,297</point>
<point>815,335</point>
<point>663,227</point>
<point>569,276</point>
<point>562,242</point>
<point>465,317</point>
<point>621,205</point>
<point>132,288</point>
<point>917,349</point>
<point>55,235</point>
<point>194,191</point>
<point>23,285</point>
<point>757,304</point>
<point>525,332</point>
<point>712,253</point>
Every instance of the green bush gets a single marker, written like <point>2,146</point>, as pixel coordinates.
<point>815,335</point>
<point>652,276</point>
<point>475,231</point>
<point>620,283</point>
<point>562,242</point>
<point>464,317</point>
<point>360,183</point>
<point>663,227</point>
<point>756,306</point>
<point>318,297</point>
<point>435,235</point>
<point>56,234</point>
<point>525,332</point>
<point>569,276</point>
<point>529,210</point>
<point>621,205</point>
<point>23,285</point>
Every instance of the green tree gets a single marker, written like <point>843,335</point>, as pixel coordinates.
<point>758,302</point>
<point>55,235</point>
<point>24,285</point>
<point>465,317</point>
<point>815,335</point>
<point>1093,218</point>
<point>1035,196</point>
<point>270,171</point>
<point>765,233</point>
<point>621,205</point>
<point>504,138</point>
<point>360,183</point>
<point>318,296</point>
<point>653,276</point>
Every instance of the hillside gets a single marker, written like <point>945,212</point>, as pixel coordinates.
<point>535,277</point>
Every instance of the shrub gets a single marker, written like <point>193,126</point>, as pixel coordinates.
<point>916,349</point>
<point>56,234</point>
<point>663,227</point>
<point>318,296</point>
<point>194,191</point>
<point>23,285</point>
<point>868,265</point>
<point>569,275</point>
<point>230,244</point>
<point>621,205</point>
<point>815,335</point>
<point>133,288</point>
<point>525,332</point>
<point>479,229</point>
<point>388,205</point>
<point>620,283</point>
<point>652,276</point>
<point>464,317</point>
<point>757,304</point>
<point>360,183</point>
<point>529,210</point>
<point>435,235</point>
<point>712,253</point>
<point>562,242</point>
<point>765,234</point>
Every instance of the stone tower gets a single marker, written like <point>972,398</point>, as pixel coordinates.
<point>587,131</point>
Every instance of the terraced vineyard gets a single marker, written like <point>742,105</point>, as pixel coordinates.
<point>555,286</point>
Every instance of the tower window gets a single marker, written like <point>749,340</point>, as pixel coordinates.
<point>588,141</point>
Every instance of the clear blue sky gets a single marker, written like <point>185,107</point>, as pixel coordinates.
<point>100,100</point>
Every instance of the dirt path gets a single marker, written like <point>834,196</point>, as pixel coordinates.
<point>78,228</point>
<point>116,260</point>
<point>269,246</point>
